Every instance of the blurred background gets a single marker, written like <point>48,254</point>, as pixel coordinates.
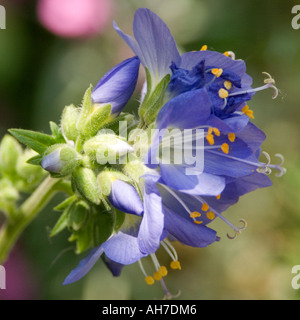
<point>52,50</point>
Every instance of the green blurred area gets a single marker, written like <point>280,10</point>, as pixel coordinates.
<point>40,73</point>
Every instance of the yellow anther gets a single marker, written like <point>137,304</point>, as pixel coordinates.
<point>217,72</point>
<point>149,280</point>
<point>157,276</point>
<point>231,137</point>
<point>223,93</point>
<point>216,131</point>
<point>198,222</point>
<point>218,196</point>
<point>175,264</point>
<point>195,214</point>
<point>225,148</point>
<point>205,207</point>
<point>210,139</point>
<point>210,215</point>
<point>227,85</point>
<point>163,271</point>
<point>226,53</point>
<point>203,48</point>
<point>248,112</point>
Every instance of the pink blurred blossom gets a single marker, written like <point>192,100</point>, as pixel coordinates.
<point>75,18</point>
<point>20,278</point>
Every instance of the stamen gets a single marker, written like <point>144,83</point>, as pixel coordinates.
<point>195,214</point>
<point>210,139</point>
<point>210,215</point>
<point>230,54</point>
<point>217,72</point>
<point>148,279</point>
<point>203,48</point>
<point>227,85</point>
<point>175,265</point>
<point>248,112</point>
<point>225,148</point>
<point>223,93</point>
<point>198,222</point>
<point>236,230</point>
<point>218,196</point>
<point>205,207</point>
<point>170,249</point>
<point>231,137</point>
<point>216,131</point>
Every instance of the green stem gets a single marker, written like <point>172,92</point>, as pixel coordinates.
<point>12,229</point>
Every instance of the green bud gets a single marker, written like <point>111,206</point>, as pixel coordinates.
<point>93,116</point>
<point>77,215</point>
<point>106,148</point>
<point>31,173</point>
<point>85,183</point>
<point>135,169</point>
<point>69,120</point>
<point>61,159</point>
<point>10,151</point>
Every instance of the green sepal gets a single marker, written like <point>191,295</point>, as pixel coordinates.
<point>37,141</point>
<point>97,230</point>
<point>69,120</point>
<point>77,215</point>
<point>93,116</point>
<point>56,133</point>
<point>60,225</point>
<point>35,160</point>
<point>153,101</point>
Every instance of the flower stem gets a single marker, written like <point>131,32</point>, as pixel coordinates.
<point>13,228</point>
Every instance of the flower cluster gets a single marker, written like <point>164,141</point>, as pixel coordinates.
<point>130,197</point>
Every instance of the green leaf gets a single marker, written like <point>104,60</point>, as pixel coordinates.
<point>78,214</point>
<point>37,141</point>
<point>60,225</point>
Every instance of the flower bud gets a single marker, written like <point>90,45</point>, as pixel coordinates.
<point>61,159</point>
<point>77,215</point>
<point>106,148</point>
<point>85,183</point>
<point>117,86</point>
<point>10,150</point>
<point>69,120</point>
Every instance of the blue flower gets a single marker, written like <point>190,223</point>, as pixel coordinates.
<point>117,86</point>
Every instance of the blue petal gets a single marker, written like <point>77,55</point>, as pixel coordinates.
<point>117,86</point>
<point>122,248</point>
<point>154,45</point>
<point>125,198</point>
<point>187,110</point>
<point>187,232</point>
<point>152,224</point>
<point>84,266</point>
<point>201,184</point>
<point>114,267</point>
